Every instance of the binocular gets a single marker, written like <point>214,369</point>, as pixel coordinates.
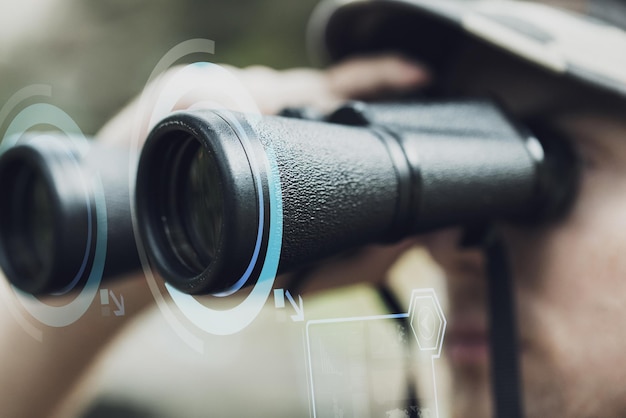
<point>211,184</point>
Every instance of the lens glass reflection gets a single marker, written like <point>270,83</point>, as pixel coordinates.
<point>193,205</point>
<point>30,224</point>
<point>204,205</point>
<point>39,219</point>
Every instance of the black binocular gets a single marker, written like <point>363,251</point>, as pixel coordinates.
<point>212,185</point>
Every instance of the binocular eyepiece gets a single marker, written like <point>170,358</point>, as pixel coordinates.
<point>211,185</point>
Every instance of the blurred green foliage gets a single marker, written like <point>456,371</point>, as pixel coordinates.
<point>98,54</point>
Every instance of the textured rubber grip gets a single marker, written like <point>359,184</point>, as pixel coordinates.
<point>339,187</point>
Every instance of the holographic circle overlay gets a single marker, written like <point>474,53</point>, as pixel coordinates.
<point>25,121</point>
<point>204,85</point>
<point>230,321</point>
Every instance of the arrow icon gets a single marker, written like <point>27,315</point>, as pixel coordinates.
<point>120,305</point>
<point>299,316</point>
<point>105,296</point>
<point>279,302</point>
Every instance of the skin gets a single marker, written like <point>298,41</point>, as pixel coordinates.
<point>569,291</point>
<point>568,276</point>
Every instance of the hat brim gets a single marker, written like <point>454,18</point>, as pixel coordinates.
<point>558,41</point>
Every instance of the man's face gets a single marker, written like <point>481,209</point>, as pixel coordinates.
<point>570,287</point>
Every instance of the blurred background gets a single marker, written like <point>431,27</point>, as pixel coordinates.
<point>98,54</point>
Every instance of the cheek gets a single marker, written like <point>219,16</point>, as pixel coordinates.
<point>442,245</point>
<point>572,290</point>
<point>584,263</point>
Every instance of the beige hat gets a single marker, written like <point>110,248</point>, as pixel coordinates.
<point>586,44</point>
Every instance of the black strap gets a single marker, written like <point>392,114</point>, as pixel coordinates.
<point>393,305</point>
<point>505,374</point>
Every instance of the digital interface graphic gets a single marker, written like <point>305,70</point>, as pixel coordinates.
<point>359,366</point>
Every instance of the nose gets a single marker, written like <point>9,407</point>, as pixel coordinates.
<point>457,252</point>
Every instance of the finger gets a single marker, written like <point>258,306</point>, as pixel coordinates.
<point>368,77</point>
<point>369,264</point>
<point>356,78</point>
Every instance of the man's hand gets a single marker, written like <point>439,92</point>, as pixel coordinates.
<point>270,90</point>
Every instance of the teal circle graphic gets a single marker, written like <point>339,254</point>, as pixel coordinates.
<point>231,321</point>
<point>60,316</point>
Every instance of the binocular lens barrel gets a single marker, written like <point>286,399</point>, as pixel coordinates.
<point>57,191</point>
<point>203,184</point>
<point>197,204</point>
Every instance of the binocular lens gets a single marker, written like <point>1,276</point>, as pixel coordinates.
<point>39,221</point>
<point>204,203</point>
<point>28,222</point>
<point>193,206</point>
<point>198,203</point>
